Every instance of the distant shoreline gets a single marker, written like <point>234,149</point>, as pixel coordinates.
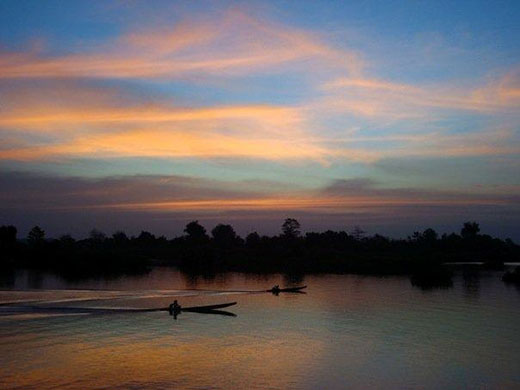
<point>423,255</point>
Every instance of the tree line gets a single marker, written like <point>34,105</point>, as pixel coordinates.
<point>222,249</point>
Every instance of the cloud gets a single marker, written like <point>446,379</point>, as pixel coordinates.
<point>46,122</point>
<point>32,191</point>
<point>399,120</point>
<point>67,121</point>
<point>370,149</point>
<point>181,193</point>
<point>371,190</point>
<point>58,115</point>
<point>386,99</point>
<point>164,204</point>
<point>476,143</point>
<point>273,119</point>
<point>232,44</point>
<point>169,143</point>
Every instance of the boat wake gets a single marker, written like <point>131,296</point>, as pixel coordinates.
<point>12,310</point>
<point>50,303</point>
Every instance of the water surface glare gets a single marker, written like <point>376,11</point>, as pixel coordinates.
<point>347,332</point>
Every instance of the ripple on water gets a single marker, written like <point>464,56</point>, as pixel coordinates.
<point>347,332</point>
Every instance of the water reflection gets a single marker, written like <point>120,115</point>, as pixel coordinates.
<point>432,278</point>
<point>348,331</point>
<point>7,278</point>
<point>471,278</point>
<point>35,280</point>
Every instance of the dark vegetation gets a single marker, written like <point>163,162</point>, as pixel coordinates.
<point>512,276</point>
<point>197,252</point>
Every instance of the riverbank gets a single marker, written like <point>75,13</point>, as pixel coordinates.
<point>422,253</point>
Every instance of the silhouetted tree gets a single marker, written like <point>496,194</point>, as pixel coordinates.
<point>97,235</point>
<point>7,236</point>
<point>7,243</point>
<point>358,233</point>
<point>36,236</point>
<point>252,240</point>
<point>469,230</point>
<point>120,237</point>
<point>67,239</point>
<point>416,236</point>
<point>146,237</point>
<point>330,251</point>
<point>378,241</point>
<point>291,228</point>
<point>196,252</point>
<point>224,235</point>
<point>195,231</point>
<point>430,235</point>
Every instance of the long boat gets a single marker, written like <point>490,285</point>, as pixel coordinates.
<point>286,289</point>
<point>208,307</point>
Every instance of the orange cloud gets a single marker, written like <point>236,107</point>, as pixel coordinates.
<point>170,143</point>
<point>82,121</point>
<point>379,98</point>
<point>329,204</point>
<point>99,128</point>
<point>259,132</point>
<point>270,118</point>
<point>86,122</point>
<point>232,44</point>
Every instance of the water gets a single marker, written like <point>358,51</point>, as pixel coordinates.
<point>347,332</point>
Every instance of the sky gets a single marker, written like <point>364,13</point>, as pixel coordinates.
<point>133,115</point>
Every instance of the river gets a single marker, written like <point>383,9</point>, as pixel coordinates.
<point>345,332</point>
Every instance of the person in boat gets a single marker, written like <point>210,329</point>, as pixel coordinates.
<point>175,307</point>
<point>276,287</point>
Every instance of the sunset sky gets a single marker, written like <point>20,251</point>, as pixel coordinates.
<point>394,116</point>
